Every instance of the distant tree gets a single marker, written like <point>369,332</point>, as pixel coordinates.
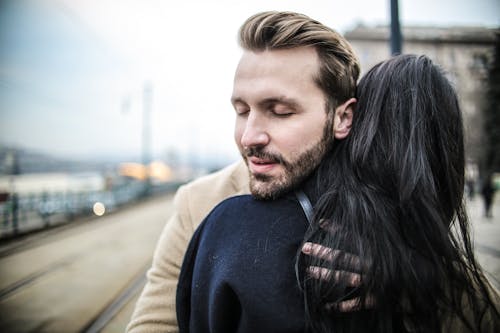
<point>490,161</point>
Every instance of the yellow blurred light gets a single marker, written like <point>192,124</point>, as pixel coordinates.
<point>157,170</point>
<point>99,209</point>
<point>160,171</point>
<point>133,170</point>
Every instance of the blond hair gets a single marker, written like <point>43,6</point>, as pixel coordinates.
<point>339,66</point>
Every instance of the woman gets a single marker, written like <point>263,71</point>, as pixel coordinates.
<point>395,201</point>
<point>391,196</point>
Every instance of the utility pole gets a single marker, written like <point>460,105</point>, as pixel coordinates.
<point>396,38</point>
<point>147,99</point>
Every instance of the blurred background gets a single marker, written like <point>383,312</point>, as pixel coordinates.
<point>88,85</point>
<point>107,106</point>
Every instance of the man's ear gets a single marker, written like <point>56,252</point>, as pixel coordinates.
<point>343,119</point>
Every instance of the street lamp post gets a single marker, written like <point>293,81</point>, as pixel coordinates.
<point>396,43</point>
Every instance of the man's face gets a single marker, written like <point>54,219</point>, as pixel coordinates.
<point>281,123</point>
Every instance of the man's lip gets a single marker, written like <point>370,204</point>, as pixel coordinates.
<point>258,160</point>
<point>260,165</point>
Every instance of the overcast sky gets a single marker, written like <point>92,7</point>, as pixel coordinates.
<point>72,72</point>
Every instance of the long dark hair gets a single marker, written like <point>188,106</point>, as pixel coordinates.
<point>393,197</point>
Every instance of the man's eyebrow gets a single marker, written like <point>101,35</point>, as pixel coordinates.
<point>279,100</point>
<point>270,101</point>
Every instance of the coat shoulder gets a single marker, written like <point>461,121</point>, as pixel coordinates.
<point>197,198</point>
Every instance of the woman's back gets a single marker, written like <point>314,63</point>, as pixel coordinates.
<point>393,199</point>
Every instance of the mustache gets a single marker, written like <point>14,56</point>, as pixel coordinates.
<point>259,152</point>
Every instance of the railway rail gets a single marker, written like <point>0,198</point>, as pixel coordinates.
<point>78,278</point>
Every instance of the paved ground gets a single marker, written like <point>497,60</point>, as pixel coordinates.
<point>58,282</point>
<point>486,236</point>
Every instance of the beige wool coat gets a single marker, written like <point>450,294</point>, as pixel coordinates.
<point>155,308</point>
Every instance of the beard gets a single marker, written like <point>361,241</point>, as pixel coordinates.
<point>295,170</point>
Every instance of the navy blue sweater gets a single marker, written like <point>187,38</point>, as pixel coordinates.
<point>238,273</point>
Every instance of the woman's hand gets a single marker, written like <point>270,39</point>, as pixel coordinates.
<point>349,277</point>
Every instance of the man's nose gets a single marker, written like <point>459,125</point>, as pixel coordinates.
<point>255,132</point>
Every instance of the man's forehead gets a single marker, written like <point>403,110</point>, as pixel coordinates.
<point>263,90</point>
<point>277,73</point>
<point>293,60</point>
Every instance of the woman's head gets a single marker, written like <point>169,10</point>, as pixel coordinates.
<point>408,125</point>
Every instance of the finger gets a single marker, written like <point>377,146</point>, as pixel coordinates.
<point>320,273</point>
<point>352,304</point>
<point>330,255</point>
<point>320,251</point>
<point>325,274</point>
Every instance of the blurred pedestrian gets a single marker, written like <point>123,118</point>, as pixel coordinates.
<point>488,192</point>
<point>470,179</point>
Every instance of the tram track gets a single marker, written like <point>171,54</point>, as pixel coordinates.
<point>116,305</point>
<point>32,240</point>
<point>31,278</point>
<point>78,279</point>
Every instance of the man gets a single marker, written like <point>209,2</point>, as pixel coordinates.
<point>292,95</point>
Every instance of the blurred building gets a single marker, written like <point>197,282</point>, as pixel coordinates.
<point>464,52</point>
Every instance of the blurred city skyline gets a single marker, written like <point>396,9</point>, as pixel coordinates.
<point>72,73</point>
